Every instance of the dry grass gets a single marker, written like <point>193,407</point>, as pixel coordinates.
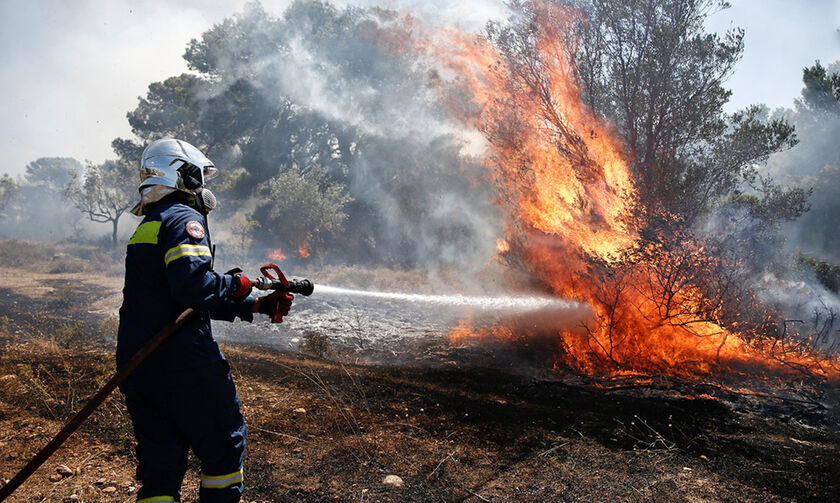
<point>61,258</point>
<point>322,431</point>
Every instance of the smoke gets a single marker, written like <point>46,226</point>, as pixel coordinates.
<point>770,256</point>
<point>351,80</point>
<point>417,196</point>
<point>815,164</point>
<point>39,211</point>
<point>769,282</point>
<point>72,69</point>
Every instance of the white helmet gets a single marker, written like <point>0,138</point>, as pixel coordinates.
<point>167,162</point>
<point>168,165</point>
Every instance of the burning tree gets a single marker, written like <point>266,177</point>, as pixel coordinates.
<point>620,180</point>
<point>628,188</point>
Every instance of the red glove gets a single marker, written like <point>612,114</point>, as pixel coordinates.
<point>275,305</point>
<point>244,287</point>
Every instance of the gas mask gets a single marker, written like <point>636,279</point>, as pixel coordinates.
<point>205,201</point>
<point>193,179</point>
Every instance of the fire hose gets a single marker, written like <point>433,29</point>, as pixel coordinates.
<point>276,281</point>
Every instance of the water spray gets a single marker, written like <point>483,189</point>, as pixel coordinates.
<point>273,279</point>
<point>506,303</point>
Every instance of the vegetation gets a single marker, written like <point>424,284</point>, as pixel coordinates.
<point>9,189</point>
<point>816,164</point>
<point>325,430</point>
<point>334,139</point>
<point>52,172</point>
<point>104,192</point>
<point>298,210</point>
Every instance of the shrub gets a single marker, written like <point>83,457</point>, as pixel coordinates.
<point>14,252</point>
<point>72,335</point>
<point>67,266</point>
<point>316,343</point>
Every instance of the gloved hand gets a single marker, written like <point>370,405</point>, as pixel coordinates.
<point>275,305</point>
<point>244,288</point>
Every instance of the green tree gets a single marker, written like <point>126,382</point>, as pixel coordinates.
<point>9,189</point>
<point>650,66</point>
<point>237,42</point>
<point>816,161</point>
<point>128,151</point>
<point>334,89</point>
<point>710,173</point>
<point>821,93</point>
<point>104,192</point>
<point>170,108</point>
<point>52,172</point>
<point>298,210</point>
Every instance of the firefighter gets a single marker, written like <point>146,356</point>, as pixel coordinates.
<point>182,395</point>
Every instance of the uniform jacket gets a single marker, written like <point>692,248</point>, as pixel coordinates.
<point>168,268</point>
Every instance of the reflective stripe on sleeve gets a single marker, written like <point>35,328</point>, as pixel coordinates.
<point>155,499</point>
<point>221,481</point>
<point>146,232</point>
<point>186,251</point>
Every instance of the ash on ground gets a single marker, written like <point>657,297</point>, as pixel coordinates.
<point>367,326</point>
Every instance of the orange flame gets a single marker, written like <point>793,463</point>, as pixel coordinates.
<point>570,196</point>
<point>565,185</point>
<point>305,249</point>
<point>276,255</point>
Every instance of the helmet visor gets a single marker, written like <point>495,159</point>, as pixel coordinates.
<point>210,172</point>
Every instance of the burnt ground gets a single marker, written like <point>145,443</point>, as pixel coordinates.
<point>456,424</point>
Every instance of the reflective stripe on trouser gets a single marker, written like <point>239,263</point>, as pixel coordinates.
<point>221,481</point>
<point>156,499</point>
<point>196,408</point>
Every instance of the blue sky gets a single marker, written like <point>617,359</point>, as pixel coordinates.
<point>69,71</point>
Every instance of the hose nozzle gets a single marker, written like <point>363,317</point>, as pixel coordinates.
<point>301,286</point>
<point>274,279</point>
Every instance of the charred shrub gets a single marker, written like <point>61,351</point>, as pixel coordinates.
<point>80,334</point>
<point>316,343</point>
<point>67,266</point>
<point>65,297</point>
<point>107,329</point>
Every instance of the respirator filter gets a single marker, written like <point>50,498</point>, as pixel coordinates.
<point>206,200</point>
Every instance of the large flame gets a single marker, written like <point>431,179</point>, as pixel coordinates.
<point>565,183</point>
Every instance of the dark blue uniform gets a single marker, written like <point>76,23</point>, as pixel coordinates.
<point>182,395</point>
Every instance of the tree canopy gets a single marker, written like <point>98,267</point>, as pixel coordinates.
<point>9,189</point>
<point>53,172</point>
<point>325,95</point>
<point>337,91</point>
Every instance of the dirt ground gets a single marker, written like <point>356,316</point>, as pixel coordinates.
<point>457,427</point>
